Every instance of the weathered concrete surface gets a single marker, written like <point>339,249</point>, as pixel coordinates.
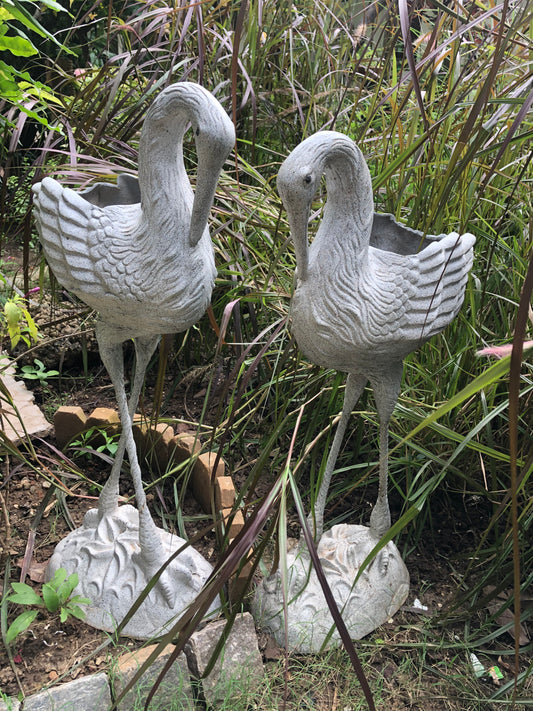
<point>12,705</point>
<point>239,665</point>
<point>90,693</point>
<point>148,268</point>
<point>23,417</point>
<point>175,690</point>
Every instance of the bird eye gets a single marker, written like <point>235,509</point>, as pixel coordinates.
<point>307,179</point>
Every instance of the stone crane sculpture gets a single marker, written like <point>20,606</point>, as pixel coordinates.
<point>368,292</point>
<point>141,255</point>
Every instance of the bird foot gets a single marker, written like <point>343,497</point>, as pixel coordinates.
<point>149,568</point>
<point>382,561</point>
<point>166,589</point>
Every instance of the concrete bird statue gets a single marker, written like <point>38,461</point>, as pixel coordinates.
<point>368,292</point>
<point>141,255</point>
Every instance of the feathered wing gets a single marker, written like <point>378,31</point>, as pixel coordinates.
<point>428,288</point>
<point>88,248</point>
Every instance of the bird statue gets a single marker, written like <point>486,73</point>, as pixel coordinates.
<point>368,291</point>
<point>141,255</point>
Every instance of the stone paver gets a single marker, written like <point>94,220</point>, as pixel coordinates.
<point>239,665</point>
<point>174,693</point>
<point>11,705</point>
<point>90,693</point>
<point>27,418</point>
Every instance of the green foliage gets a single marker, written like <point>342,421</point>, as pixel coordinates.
<point>84,443</point>
<point>56,596</point>
<point>17,86</point>
<point>37,371</point>
<point>16,321</point>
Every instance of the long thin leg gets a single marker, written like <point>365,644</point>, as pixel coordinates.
<point>112,357</point>
<point>354,387</point>
<point>386,391</point>
<point>151,557</point>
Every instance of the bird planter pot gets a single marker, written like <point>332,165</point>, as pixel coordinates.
<point>141,255</point>
<point>368,292</point>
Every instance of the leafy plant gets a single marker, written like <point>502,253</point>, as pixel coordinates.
<point>85,442</point>
<point>16,321</point>
<point>16,85</point>
<point>37,371</point>
<point>56,595</point>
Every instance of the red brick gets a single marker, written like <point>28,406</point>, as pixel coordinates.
<point>69,421</point>
<point>231,523</point>
<point>201,478</point>
<point>140,428</point>
<point>182,447</point>
<point>224,493</point>
<point>158,440</point>
<point>239,581</point>
<point>102,418</point>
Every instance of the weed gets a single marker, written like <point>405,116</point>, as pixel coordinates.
<point>56,596</point>
<point>16,321</point>
<point>37,371</point>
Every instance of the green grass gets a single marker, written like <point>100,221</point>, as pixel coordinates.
<point>449,148</point>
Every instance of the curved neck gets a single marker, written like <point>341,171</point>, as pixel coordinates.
<point>165,185</point>
<point>349,208</point>
<point>348,184</point>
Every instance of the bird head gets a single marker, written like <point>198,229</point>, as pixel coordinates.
<point>174,110</point>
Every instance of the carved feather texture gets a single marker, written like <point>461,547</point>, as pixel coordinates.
<point>134,262</point>
<point>374,290</point>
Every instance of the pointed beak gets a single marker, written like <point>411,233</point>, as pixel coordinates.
<point>298,222</point>
<point>298,209</point>
<point>212,155</point>
<point>203,201</point>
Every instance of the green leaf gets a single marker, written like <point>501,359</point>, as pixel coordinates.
<point>54,5</point>
<point>59,578</point>
<point>12,313</point>
<point>78,599</point>
<point>68,586</point>
<point>19,12</point>
<point>18,46</point>
<point>77,612</point>
<point>32,327</point>
<point>51,598</point>
<point>19,624</point>
<point>24,595</point>
<point>63,614</point>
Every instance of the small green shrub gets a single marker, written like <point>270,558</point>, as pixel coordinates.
<point>37,371</point>
<point>56,596</point>
<point>16,321</point>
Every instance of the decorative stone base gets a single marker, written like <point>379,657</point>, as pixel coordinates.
<point>107,557</point>
<point>373,600</point>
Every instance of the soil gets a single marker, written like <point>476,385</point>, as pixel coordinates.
<point>50,648</point>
